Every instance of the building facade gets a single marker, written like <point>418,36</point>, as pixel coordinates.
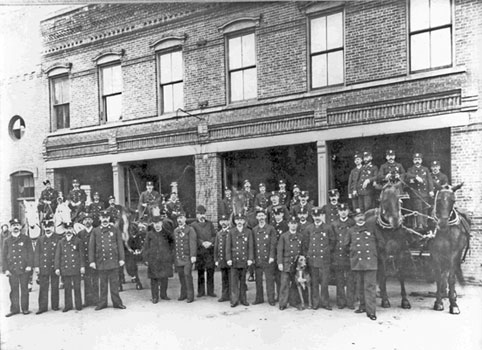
<point>206,95</point>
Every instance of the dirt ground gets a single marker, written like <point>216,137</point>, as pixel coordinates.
<point>208,324</point>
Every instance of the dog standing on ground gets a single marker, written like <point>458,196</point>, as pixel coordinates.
<point>303,280</point>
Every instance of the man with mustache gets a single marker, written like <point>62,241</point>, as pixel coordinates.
<point>330,210</point>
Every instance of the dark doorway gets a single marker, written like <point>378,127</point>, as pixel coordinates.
<point>434,144</point>
<point>296,164</point>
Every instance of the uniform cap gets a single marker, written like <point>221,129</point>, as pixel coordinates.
<point>239,216</point>
<point>303,211</point>
<point>68,224</point>
<point>181,213</point>
<point>201,209</point>
<point>96,194</point>
<point>304,194</point>
<point>223,217</point>
<point>260,210</point>
<point>358,212</point>
<point>75,182</point>
<point>15,221</point>
<point>246,181</point>
<point>367,154</point>
<point>390,152</point>
<point>48,222</point>
<point>316,211</point>
<point>226,189</point>
<point>274,194</point>
<point>277,210</point>
<point>435,163</point>
<point>343,206</point>
<point>282,182</point>
<point>157,218</point>
<point>86,216</point>
<point>261,184</point>
<point>111,197</point>
<point>293,219</point>
<point>358,155</point>
<point>295,186</point>
<point>417,155</point>
<point>149,183</point>
<point>333,193</point>
<point>104,213</point>
<point>46,182</point>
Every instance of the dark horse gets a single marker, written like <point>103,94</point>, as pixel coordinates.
<point>447,247</point>
<point>387,220</point>
<point>239,201</point>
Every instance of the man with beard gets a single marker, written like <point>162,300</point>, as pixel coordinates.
<point>439,179</point>
<point>220,257</point>
<point>186,251</point>
<point>303,206</point>
<point>365,185</point>
<point>44,261</point>
<point>206,235</point>
<point>70,264</point>
<point>91,278</point>
<point>17,266</point>
<point>106,255</point>
<point>330,210</point>
<point>158,255</point>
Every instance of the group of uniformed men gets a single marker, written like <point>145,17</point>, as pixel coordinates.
<point>287,226</point>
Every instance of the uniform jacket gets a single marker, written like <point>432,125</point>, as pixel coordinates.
<point>340,251</point>
<point>362,242</point>
<point>270,209</point>
<point>84,236</point>
<point>114,211</point>
<point>289,247</point>
<point>261,200</point>
<point>173,209</point>
<point>298,207</point>
<point>204,232</point>
<point>295,199</point>
<point>148,198</point>
<point>44,254</point>
<point>51,195</point>
<point>69,256</point>
<point>17,254</point>
<point>95,208</point>
<point>439,180</point>
<point>158,253</point>
<point>239,247</point>
<point>220,248</point>
<point>250,196</point>
<point>265,241</point>
<point>185,245</point>
<point>390,168</point>
<point>227,206</point>
<point>76,196</point>
<point>284,198</point>
<point>368,172</point>
<point>318,244</point>
<point>353,180</point>
<point>106,247</point>
<point>330,211</point>
<point>426,185</point>
<point>280,228</point>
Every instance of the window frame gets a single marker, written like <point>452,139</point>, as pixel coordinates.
<point>430,30</point>
<point>227,37</point>
<point>102,97</point>
<point>53,110</point>
<point>159,53</point>
<point>319,14</point>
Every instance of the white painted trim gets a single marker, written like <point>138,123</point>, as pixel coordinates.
<point>169,42</point>
<point>364,130</point>
<point>240,24</point>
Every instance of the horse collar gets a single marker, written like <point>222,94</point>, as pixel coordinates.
<point>381,223</point>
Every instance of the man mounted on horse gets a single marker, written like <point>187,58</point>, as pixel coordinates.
<point>47,203</point>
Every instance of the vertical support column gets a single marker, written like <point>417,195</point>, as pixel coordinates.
<point>209,183</point>
<point>322,172</point>
<point>118,183</point>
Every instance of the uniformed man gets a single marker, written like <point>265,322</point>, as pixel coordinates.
<point>106,254</point>
<point>303,223</point>
<point>173,207</point>
<point>362,241</point>
<point>158,254</point>
<point>289,247</point>
<point>353,180</point>
<point>264,239</point>
<point>94,209</point>
<point>76,198</point>
<point>91,278</point>
<point>344,277</point>
<point>295,197</point>
<point>439,179</point>
<point>275,203</point>
<point>227,203</point>
<point>262,198</point>
<point>114,210</point>
<point>303,205</point>
<point>330,210</point>
<point>284,196</point>
<point>48,200</point>
<point>206,235</point>
<point>17,266</point>
<point>220,257</point>
<point>239,255</point>
<point>391,171</point>
<point>44,267</point>
<point>281,226</point>
<point>249,196</point>
<point>366,182</point>
<point>318,244</point>
<point>185,254</point>
<point>421,184</point>
<point>70,264</point>
<point>147,199</point>
<point>4,234</point>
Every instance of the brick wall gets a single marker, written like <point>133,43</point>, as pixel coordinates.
<point>209,183</point>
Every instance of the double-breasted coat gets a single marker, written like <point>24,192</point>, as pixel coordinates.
<point>69,256</point>
<point>158,252</point>
<point>239,247</point>
<point>422,172</point>
<point>318,245</point>
<point>289,247</point>
<point>185,245</point>
<point>220,248</point>
<point>17,254</point>
<point>265,240</point>
<point>106,247</point>
<point>363,242</point>
<point>340,251</point>
<point>44,255</point>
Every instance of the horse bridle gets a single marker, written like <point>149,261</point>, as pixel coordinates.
<point>454,221</point>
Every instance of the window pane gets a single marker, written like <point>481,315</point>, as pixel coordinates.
<point>178,96</point>
<point>234,48</point>
<point>248,48</point>
<point>65,90</point>
<point>439,12</point>
<point>420,51</point>
<point>60,90</point>
<point>116,79</point>
<point>166,68</point>
<point>167,98</point>
<point>419,14</point>
<point>236,80</point>
<point>318,34</point>
<point>62,117</point>
<point>335,31</point>
<point>106,75</point>
<point>176,65</point>
<point>441,48</point>
<point>113,107</point>
<point>111,79</point>
<point>335,67</point>
<point>318,71</point>
<point>250,89</point>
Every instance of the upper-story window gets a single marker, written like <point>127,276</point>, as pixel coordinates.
<point>430,34</point>
<point>327,49</point>
<point>242,72</point>
<point>59,96</point>
<point>111,83</point>
<point>171,80</point>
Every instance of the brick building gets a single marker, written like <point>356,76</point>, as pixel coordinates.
<point>208,94</point>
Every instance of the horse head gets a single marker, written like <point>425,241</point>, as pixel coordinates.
<point>444,204</point>
<point>238,202</point>
<point>390,208</point>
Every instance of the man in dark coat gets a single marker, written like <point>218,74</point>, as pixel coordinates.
<point>148,198</point>
<point>331,208</point>
<point>17,266</point>
<point>281,226</point>
<point>206,235</point>
<point>439,179</point>
<point>227,203</point>
<point>44,266</point>
<point>353,180</point>
<point>158,255</point>
<point>366,183</point>
<point>95,208</point>
<point>261,200</point>
<point>275,204</point>
<point>284,195</point>
<point>186,252</point>
<point>91,277</point>
<point>220,257</point>
<point>303,206</point>
<point>48,199</point>
<point>77,198</point>
<point>106,255</point>
<point>70,264</point>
